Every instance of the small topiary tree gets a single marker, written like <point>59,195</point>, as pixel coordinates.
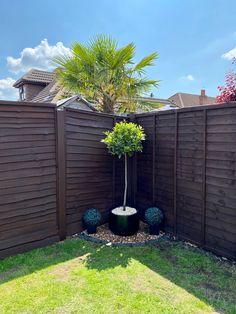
<point>153,216</point>
<point>125,139</point>
<point>92,217</point>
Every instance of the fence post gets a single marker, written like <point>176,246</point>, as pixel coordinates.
<point>154,161</point>
<point>175,172</point>
<point>204,178</point>
<point>61,175</point>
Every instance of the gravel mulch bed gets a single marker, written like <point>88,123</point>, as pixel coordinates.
<point>104,235</point>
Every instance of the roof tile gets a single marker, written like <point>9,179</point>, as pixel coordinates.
<point>35,76</point>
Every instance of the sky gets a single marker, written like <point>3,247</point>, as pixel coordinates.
<point>195,39</point>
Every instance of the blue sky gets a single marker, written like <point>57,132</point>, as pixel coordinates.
<point>195,39</point>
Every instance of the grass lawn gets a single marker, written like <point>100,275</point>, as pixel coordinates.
<point>81,277</point>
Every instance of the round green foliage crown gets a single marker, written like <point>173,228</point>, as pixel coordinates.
<point>92,217</point>
<point>153,216</point>
<point>126,138</point>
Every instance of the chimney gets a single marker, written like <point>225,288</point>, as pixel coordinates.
<point>202,97</point>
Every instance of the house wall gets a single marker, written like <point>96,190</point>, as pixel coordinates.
<point>31,90</point>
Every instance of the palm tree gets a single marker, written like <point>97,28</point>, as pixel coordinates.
<point>104,73</point>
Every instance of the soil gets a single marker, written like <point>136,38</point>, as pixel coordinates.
<point>104,234</point>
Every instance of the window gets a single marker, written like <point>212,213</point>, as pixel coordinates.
<point>22,93</point>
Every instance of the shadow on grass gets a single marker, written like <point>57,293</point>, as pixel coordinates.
<point>194,270</point>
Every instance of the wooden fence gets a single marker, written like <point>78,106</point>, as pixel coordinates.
<point>188,169</point>
<point>28,186</point>
<point>90,172</point>
<point>53,166</point>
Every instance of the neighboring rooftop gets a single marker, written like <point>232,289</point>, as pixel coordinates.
<point>183,100</point>
<point>77,102</point>
<point>51,93</point>
<point>35,76</point>
<point>41,86</point>
<point>156,104</point>
<point>155,100</point>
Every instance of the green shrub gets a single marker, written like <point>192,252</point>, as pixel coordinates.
<point>125,139</point>
<point>92,217</point>
<point>153,216</point>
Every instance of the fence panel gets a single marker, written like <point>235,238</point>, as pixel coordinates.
<point>28,206</point>
<point>190,175</point>
<point>194,153</point>
<point>90,169</point>
<point>221,180</point>
<point>165,167</point>
<point>145,166</point>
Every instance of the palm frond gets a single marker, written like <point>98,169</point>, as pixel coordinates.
<point>124,56</point>
<point>104,72</point>
<point>60,60</point>
<point>145,62</point>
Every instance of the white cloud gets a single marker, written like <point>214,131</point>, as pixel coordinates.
<point>7,92</point>
<point>188,77</point>
<point>39,57</point>
<point>230,55</point>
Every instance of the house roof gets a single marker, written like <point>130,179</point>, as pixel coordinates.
<point>35,77</point>
<point>50,93</point>
<point>64,102</point>
<point>168,107</point>
<point>155,100</point>
<point>184,100</point>
<point>53,93</point>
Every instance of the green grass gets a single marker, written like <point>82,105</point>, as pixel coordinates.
<point>81,277</point>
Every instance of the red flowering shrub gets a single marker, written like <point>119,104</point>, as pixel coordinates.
<point>228,92</point>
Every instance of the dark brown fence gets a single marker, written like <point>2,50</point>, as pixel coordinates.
<point>188,169</point>
<point>90,170</point>
<point>53,166</point>
<point>28,205</point>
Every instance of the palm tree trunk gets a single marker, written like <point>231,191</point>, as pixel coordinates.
<point>126,182</point>
<point>108,105</point>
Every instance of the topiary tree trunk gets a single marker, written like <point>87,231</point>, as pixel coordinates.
<point>126,182</point>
